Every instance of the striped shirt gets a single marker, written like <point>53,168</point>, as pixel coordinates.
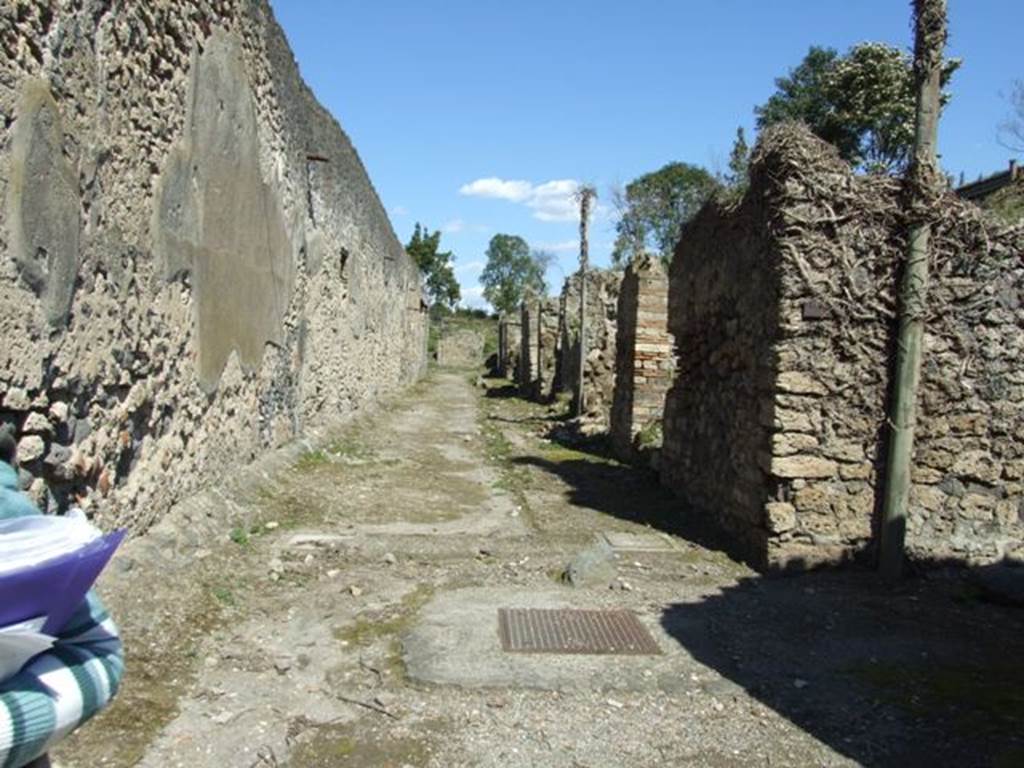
<point>58,690</point>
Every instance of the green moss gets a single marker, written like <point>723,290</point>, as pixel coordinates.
<point>366,630</point>
<point>650,435</point>
<point>338,745</point>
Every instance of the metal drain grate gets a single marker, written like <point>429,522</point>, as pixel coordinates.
<point>566,630</point>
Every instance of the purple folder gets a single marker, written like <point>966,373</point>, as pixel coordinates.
<point>55,588</point>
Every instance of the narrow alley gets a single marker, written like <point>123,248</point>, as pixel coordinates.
<point>348,615</point>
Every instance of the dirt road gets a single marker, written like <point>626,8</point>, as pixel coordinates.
<point>350,619</point>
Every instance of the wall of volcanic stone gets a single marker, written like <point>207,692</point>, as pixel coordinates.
<point>782,307</point>
<point>194,264</point>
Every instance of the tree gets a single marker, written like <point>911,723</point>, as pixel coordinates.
<point>924,187</point>
<point>862,102</point>
<point>511,270</point>
<point>436,266</point>
<point>585,195</point>
<point>1011,132</point>
<point>739,161</point>
<point>655,206</point>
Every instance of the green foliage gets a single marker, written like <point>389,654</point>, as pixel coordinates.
<point>739,161</point>
<point>511,272</point>
<point>655,206</point>
<point>436,266</point>
<point>862,102</point>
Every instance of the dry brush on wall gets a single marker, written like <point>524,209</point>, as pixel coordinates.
<point>193,262</point>
<point>782,306</point>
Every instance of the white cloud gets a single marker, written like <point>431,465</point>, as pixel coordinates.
<point>470,268</point>
<point>454,226</point>
<point>400,210</point>
<point>473,297</point>
<point>553,200</point>
<point>516,191</point>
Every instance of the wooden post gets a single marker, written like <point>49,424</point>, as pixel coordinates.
<point>923,187</point>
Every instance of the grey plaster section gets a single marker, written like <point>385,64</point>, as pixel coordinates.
<point>216,218</point>
<point>455,642</point>
<point>43,203</point>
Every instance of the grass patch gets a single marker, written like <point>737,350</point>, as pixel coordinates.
<point>224,595</point>
<point>367,630</point>
<point>240,536</point>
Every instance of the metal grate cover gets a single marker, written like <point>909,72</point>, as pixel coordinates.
<point>567,630</point>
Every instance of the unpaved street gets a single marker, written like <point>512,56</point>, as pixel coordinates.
<point>346,615</point>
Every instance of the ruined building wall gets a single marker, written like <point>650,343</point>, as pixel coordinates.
<point>509,342</point>
<point>461,348</point>
<point>600,311</point>
<point>528,369</point>
<point>644,358</point>
<point>782,309</point>
<point>193,262</point>
<point>548,319</point>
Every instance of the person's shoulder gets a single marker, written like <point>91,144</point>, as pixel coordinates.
<point>13,503</point>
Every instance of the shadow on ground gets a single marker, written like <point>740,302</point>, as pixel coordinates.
<point>924,675</point>
<point>927,674</point>
<point>623,492</point>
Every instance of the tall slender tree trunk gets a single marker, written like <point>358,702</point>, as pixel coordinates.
<point>924,184</point>
<point>586,194</point>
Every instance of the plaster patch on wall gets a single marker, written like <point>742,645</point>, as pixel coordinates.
<point>216,218</point>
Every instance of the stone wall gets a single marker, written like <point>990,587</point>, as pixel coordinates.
<point>193,262</point>
<point>538,348</point>
<point>528,369</point>
<point>782,307</point>
<point>547,347</point>
<point>644,358</point>
<point>509,343</point>
<point>600,313</point>
<point>461,348</point>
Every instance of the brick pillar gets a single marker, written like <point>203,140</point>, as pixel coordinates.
<point>644,360</point>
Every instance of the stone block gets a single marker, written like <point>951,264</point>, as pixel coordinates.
<point>30,448</point>
<point>927,497</point>
<point>977,465</point>
<point>804,466</point>
<point>780,517</point>
<point>17,399</point>
<point>37,424</point>
<point>860,471</point>
<point>797,383</point>
<point>792,421</point>
<point>786,443</point>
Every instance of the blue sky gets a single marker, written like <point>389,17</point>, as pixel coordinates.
<point>478,117</point>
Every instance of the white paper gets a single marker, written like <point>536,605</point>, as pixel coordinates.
<point>20,643</point>
<point>28,541</point>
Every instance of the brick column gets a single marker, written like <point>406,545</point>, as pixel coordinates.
<point>644,360</point>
